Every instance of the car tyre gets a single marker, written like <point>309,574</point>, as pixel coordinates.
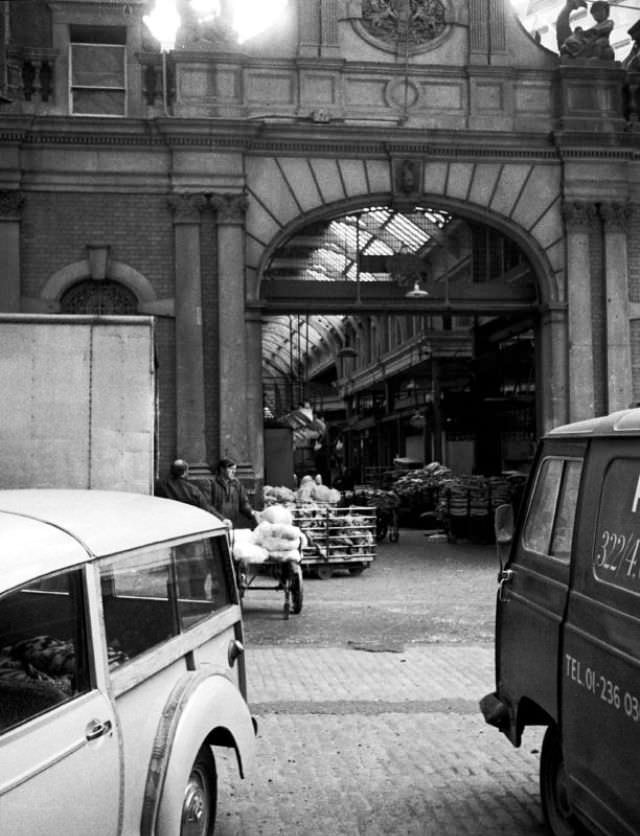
<point>200,797</point>
<point>556,807</point>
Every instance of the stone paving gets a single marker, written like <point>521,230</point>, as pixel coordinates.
<point>367,704</point>
<point>378,743</point>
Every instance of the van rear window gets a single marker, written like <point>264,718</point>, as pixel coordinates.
<point>616,557</point>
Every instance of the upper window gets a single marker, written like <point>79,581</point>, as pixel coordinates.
<point>549,526</point>
<point>43,647</point>
<point>98,71</point>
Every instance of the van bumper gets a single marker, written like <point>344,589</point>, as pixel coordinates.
<point>495,712</point>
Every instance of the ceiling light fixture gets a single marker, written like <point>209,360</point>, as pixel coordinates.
<point>417,292</point>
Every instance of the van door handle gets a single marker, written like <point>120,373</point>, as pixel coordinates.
<point>97,728</point>
<point>505,576</point>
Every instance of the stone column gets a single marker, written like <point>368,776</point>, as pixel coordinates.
<point>616,218</point>
<point>190,402</point>
<point>579,219</point>
<point>233,353</point>
<point>255,400</point>
<point>551,349</point>
<point>10,211</point>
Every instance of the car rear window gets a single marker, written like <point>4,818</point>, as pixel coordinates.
<point>151,596</point>
<point>43,647</point>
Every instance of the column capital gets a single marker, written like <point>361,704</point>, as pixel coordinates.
<point>230,208</point>
<point>616,216</point>
<point>11,202</point>
<point>186,208</point>
<point>579,216</point>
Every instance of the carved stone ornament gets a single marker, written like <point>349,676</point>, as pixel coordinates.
<point>10,203</point>
<point>187,207</point>
<point>230,208</point>
<point>579,216</point>
<point>616,216</point>
<point>393,21</point>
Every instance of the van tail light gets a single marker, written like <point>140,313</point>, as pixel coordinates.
<point>236,649</point>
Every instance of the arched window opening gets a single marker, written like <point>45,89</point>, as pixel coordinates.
<point>96,298</point>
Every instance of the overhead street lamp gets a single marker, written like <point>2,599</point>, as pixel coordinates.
<point>164,22</point>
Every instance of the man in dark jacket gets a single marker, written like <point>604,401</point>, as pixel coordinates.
<point>177,486</point>
<point>228,496</point>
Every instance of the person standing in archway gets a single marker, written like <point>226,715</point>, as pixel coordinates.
<point>229,497</point>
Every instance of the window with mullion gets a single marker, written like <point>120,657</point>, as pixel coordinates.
<point>98,79</point>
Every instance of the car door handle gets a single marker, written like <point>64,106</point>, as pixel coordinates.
<point>505,576</point>
<point>97,728</point>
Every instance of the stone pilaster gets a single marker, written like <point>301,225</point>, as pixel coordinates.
<point>616,218</point>
<point>233,353</point>
<point>309,28</point>
<point>190,406</point>
<point>554,406</point>
<point>329,28</point>
<point>580,221</point>
<point>255,400</point>
<point>10,213</point>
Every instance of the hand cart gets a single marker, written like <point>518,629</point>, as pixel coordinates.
<point>338,538</point>
<point>286,576</point>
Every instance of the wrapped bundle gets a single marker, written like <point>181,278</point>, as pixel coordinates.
<point>277,514</point>
<point>277,495</point>
<point>281,540</point>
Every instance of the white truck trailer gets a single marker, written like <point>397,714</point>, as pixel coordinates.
<point>77,402</point>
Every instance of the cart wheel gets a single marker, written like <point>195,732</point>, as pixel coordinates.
<point>323,573</point>
<point>297,592</point>
<point>381,529</point>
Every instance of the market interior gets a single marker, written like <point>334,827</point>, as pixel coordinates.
<point>395,337</point>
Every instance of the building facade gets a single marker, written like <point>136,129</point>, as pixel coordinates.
<point>133,180</point>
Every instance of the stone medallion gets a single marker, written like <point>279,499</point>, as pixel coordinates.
<point>384,20</point>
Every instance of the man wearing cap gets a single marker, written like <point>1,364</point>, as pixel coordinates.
<point>177,486</point>
<point>228,496</point>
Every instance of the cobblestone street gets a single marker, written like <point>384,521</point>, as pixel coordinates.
<point>367,704</point>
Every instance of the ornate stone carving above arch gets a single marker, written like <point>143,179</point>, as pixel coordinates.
<point>99,266</point>
<point>383,24</point>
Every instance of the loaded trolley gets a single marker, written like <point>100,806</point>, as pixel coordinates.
<point>257,569</point>
<point>337,538</point>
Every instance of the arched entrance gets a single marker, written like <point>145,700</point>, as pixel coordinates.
<point>413,331</point>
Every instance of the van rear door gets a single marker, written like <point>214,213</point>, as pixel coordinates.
<point>534,588</point>
<point>600,702</point>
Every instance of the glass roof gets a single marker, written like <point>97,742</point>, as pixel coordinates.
<point>328,251</point>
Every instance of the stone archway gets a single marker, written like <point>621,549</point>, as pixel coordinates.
<point>521,200</point>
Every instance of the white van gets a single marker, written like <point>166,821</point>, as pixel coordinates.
<point>121,664</point>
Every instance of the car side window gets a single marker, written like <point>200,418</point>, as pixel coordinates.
<point>43,647</point>
<point>149,597</point>
<point>203,583</point>
<point>548,529</point>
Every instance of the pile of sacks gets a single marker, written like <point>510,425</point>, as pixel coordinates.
<point>275,537</point>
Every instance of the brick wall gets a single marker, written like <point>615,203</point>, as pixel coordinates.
<point>139,230</point>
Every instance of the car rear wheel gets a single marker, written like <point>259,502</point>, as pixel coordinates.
<point>200,797</point>
<point>556,807</point>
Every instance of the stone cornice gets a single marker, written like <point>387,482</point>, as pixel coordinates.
<point>304,137</point>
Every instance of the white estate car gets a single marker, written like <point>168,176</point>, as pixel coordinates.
<point>121,664</point>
